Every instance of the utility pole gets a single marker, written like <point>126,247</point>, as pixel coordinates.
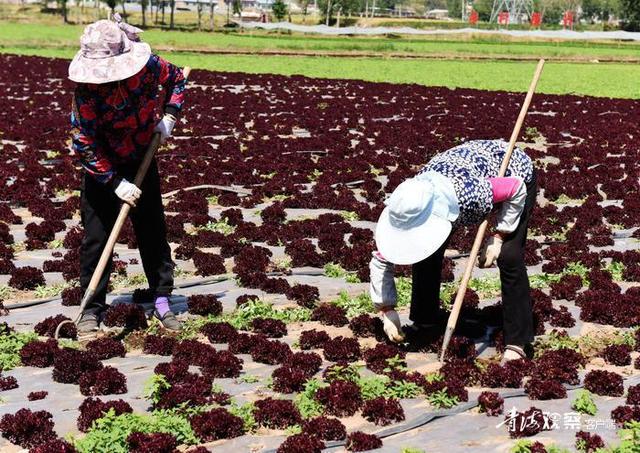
<point>516,9</point>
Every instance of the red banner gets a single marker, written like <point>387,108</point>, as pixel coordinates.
<point>536,19</point>
<point>473,17</point>
<point>567,19</point>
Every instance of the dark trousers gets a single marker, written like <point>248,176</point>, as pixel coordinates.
<point>516,297</point>
<point>99,209</point>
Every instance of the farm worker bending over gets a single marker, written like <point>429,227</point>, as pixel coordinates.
<point>113,118</point>
<point>457,187</point>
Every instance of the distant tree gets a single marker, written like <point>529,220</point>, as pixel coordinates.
<point>552,11</point>
<point>172,5</point>
<point>630,14</point>
<point>144,4</point>
<point>602,10</point>
<point>484,8</point>
<point>329,8</point>
<point>279,10</point>
<point>455,8</point>
<point>237,7</point>
<point>112,5</point>
<point>435,4</point>
<point>212,6</point>
<point>304,6</point>
<point>62,4</point>
<point>389,4</point>
<point>591,10</point>
<point>610,8</point>
<point>199,11</point>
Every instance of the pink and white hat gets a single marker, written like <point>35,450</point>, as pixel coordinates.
<point>109,51</point>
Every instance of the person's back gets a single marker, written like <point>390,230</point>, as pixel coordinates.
<point>114,121</point>
<point>470,166</point>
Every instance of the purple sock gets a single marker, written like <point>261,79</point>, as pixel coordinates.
<point>162,305</point>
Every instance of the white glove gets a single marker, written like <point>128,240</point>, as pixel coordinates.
<point>392,326</point>
<point>128,192</point>
<point>165,127</point>
<point>490,251</point>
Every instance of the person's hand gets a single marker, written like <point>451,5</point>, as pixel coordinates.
<point>490,251</point>
<point>128,192</point>
<point>165,127</point>
<point>392,325</point>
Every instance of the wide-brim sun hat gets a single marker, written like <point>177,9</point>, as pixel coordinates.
<point>109,51</point>
<point>417,219</point>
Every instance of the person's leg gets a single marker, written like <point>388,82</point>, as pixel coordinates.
<point>151,233</point>
<point>425,289</point>
<point>516,297</point>
<point>99,209</point>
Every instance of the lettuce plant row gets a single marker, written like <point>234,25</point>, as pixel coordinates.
<point>338,147</point>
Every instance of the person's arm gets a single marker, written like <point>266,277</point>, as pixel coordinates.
<point>172,80</point>
<point>382,286</point>
<point>84,140</point>
<point>512,193</point>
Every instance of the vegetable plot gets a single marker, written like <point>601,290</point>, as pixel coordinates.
<point>275,183</point>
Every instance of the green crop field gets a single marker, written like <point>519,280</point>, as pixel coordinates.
<point>560,77</point>
<point>38,35</point>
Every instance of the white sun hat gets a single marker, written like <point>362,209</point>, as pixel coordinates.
<point>109,51</point>
<point>417,219</point>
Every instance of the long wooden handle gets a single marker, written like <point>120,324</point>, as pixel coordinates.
<point>462,289</point>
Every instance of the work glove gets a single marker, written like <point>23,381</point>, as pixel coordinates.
<point>128,192</point>
<point>392,326</point>
<point>165,127</point>
<point>490,251</point>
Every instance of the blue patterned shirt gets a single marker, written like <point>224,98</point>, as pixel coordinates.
<point>469,165</point>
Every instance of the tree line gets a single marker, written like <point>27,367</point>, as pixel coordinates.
<point>343,12</point>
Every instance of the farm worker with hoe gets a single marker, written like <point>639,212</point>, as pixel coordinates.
<point>113,119</point>
<point>457,187</point>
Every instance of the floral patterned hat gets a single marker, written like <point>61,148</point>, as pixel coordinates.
<point>109,51</point>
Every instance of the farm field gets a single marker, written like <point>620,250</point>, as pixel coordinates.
<point>603,80</point>
<point>59,36</point>
<point>492,63</point>
<point>272,185</point>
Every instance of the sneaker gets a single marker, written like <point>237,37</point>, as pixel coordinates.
<point>88,323</point>
<point>169,320</point>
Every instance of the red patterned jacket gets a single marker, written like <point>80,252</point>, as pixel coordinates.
<point>113,122</point>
